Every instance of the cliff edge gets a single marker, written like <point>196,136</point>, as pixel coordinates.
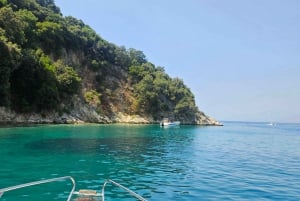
<point>57,69</point>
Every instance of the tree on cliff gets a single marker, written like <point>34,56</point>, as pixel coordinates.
<point>38,74</point>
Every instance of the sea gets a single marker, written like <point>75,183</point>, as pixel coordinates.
<point>240,161</point>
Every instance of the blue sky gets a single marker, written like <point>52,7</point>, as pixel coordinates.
<point>241,59</point>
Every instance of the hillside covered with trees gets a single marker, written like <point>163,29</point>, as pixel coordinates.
<point>57,68</point>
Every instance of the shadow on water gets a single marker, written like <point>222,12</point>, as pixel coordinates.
<point>91,146</point>
<point>142,159</point>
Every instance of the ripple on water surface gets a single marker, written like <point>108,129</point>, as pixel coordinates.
<point>239,161</point>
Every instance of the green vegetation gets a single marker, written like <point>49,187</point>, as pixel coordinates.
<point>158,94</point>
<point>46,59</point>
<point>92,97</point>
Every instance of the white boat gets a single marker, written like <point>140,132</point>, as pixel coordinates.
<point>167,122</point>
<point>80,195</point>
<point>271,124</point>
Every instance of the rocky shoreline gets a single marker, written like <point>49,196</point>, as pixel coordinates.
<point>87,115</point>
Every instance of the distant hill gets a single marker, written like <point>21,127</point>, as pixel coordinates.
<point>57,69</point>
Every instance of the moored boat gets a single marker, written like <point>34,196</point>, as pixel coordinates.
<point>167,122</point>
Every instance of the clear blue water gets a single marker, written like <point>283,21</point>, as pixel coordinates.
<point>240,161</point>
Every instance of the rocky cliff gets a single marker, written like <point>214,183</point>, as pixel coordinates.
<point>56,69</point>
<point>85,114</point>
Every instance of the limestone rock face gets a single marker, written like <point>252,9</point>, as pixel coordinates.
<point>83,113</point>
<point>202,119</point>
<point>115,109</point>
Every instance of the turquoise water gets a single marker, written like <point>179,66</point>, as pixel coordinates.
<point>240,161</point>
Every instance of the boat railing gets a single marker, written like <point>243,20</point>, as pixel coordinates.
<point>2,191</point>
<point>122,187</point>
<point>91,193</point>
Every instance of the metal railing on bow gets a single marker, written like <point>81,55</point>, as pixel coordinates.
<point>3,190</point>
<point>85,193</point>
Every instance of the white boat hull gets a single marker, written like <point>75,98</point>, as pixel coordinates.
<point>175,123</point>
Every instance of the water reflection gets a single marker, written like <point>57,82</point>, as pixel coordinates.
<point>146,163</point>
<point>116,146</point>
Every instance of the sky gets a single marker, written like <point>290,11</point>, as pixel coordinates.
<point>241,59</point>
